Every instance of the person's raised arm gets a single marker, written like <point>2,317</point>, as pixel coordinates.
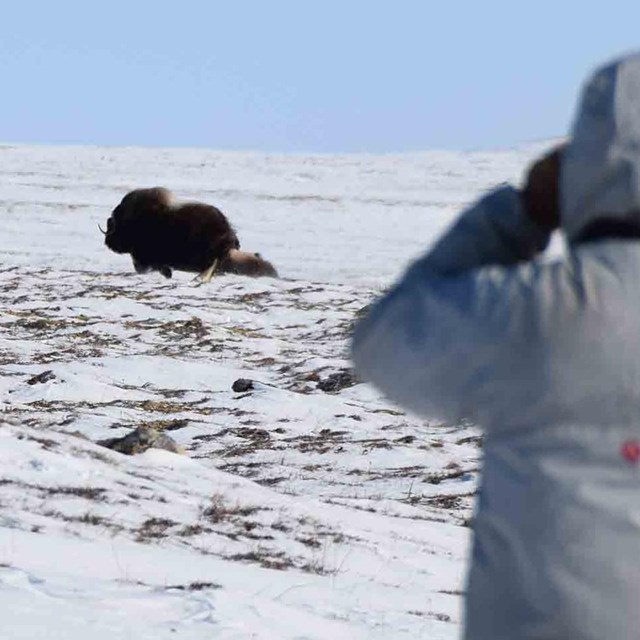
<point>432,337</point>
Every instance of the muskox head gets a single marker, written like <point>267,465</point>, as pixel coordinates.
<point>130,220</point>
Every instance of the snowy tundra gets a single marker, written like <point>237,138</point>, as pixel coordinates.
<point>307,507</point>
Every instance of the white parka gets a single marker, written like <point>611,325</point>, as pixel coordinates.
<point>546,358</point>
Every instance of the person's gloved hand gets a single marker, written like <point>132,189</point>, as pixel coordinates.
<point>541,193</point>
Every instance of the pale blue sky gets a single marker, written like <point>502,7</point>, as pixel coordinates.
<point>281,75</point>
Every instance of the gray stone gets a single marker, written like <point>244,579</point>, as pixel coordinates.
<point>141,439</point>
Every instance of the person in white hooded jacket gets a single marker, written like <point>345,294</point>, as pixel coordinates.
<point>545,357</point>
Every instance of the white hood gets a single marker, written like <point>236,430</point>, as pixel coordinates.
<point>601,166</point>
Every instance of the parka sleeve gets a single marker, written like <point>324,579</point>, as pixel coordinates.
<point>435,336</point>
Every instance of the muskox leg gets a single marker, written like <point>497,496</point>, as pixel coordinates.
<point>207,274</point>
<point>140,267</point>
<point>165,271</point>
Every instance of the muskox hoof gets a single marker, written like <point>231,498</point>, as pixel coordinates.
<point>165,271</point>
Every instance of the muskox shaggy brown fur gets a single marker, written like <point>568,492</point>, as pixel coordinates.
<point>162,235</point>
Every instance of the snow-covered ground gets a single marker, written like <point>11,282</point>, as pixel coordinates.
<point>306,508</point>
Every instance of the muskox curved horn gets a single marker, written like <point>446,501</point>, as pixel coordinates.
<point>102,231</point>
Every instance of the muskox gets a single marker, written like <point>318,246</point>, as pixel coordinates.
<point>162,235</point>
